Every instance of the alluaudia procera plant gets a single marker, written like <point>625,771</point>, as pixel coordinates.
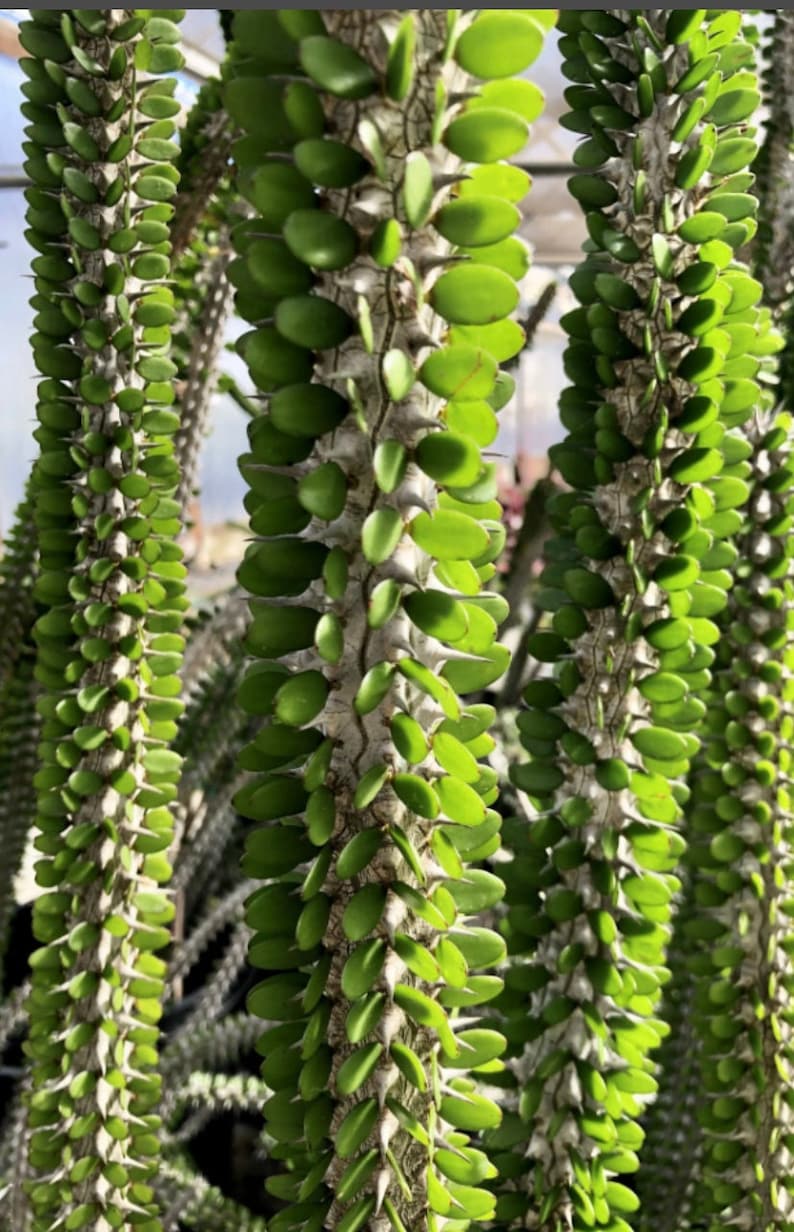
<point>743,819</point>
<point>740,937</point>
<point>378,275</point>
<point>109,642</point>
<point>18,721</point>
<point>372,217</point>
<point>701,954</point>
<point>633,581</point>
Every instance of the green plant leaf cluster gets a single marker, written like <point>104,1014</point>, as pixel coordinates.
<point>19,728</point>
<point>667,1182</point>
<point>205,143</point>
<point>204,211</point>
<point>663,358</point>
<point>773,253</point>
<point>110,581</point>
<point>740,935</point>
<point>376,535</point>
<point>609,1050</point>
<point>203,299</point>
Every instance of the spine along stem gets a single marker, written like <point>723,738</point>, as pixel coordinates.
<point>109,642</point>
<point>632,584</point>
<point>378,276</point>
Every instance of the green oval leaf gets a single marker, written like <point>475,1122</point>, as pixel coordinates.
<point>417,189</point>
<point>389,464</point>
<point>461,371</point>
<point>380,534</point>
<point>409,738</point>
<point>416,794</point>
<point>437,614</point>
<point>301,698</point>
<point>400,61</point>
<point>473,294</point>
<point>307,410</point>
<point>336,67</point>
<point>313,321</point>
<point>449,458</point>
<point>486,135</point>
<point>328,163</point>
<point>358,852</point>
<point>362,914</point>
<point>357,1068</point>
<point>398,374</point>
<point>323,491</point>
<point>460,802</point>
<point>499,43</point>
<point>448,535</point>
<point>477,220</point>
<point>320,239</point>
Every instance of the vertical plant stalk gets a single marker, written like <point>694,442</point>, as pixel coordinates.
<point>774,249</point>
<point>108,645</point>
<point>737,936</point>
<point>199,385</point>
<point>534,319</point>
<point>632,584</point>
<point>203,164</point>
<point>19,731</point>
<point>15,1208</point>
<point>527,550</point>
<point>743,813</point>
<point>19,726</point>
<point>367,603</point>
<point>17,573</point>
<point>671,1158</point>
<point>19,736</point>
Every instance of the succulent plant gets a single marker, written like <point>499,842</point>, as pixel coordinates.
<point>633,581</point>
<point>203,165</point>
<point>737,933</point>
<point>774,249</point>
<point>610,1046</point>
<point>670,1160</point>
<point>706,972</point>
<point>742,817</point>
<point>204,210</point>
<point>19,723</point>
<point>198,369</point>
<point>378,275</point>
<point>110,580</point>
<point>202,1031</point>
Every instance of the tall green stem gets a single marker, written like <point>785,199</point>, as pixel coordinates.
<point>108,645</point>
<point>376,283</point>
<point>632,583</point>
